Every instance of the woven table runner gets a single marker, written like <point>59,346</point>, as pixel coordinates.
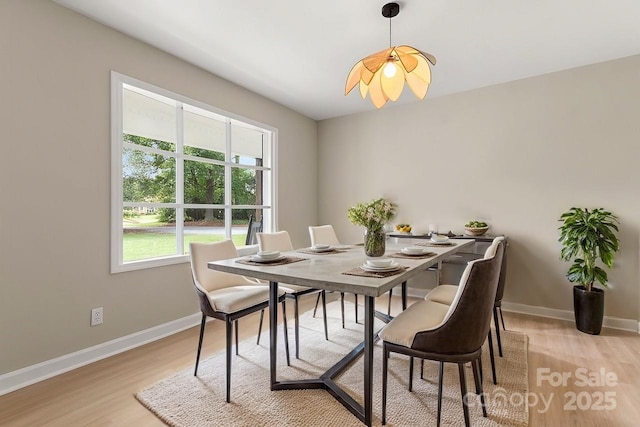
<point>421,256</point>
<point>287,260</point>
<point>435,245</point>
<point>379,274</point>
<point>312,252</point>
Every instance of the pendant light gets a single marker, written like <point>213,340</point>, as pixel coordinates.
<point>383,74</point>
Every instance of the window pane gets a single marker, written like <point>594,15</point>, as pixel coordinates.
<point>204,136</point>
<point>246,186</point>
<point>147,177</point>
<point>148,233</point>
<point>203,225</point>
<point>203,183</point>
<point>241,223</point>
<point>247,146</point>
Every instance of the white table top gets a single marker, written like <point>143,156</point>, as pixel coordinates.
<point>325,271</point>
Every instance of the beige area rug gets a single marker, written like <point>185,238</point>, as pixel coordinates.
<point>185,400</point>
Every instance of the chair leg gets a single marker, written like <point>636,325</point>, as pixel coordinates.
<point>495,321</point>
<point>316,306</point>
<point>463,392</point>
<point>202,325</point>
<point>324,313</point>
<point>421,369</point>
<point>385,356</point>
<point>493,360</point>
<point>296,327</point>
<point>440,384</point>
<point>476,378</point>
<point>502,318</point>
<point>342,307</point>
<point>355,296</point>
<point>236,328</point>
<point>480,367</point>
<point>411,373</point>
<point>229,327</point>
<point>286,333</point>
<point>389,303</point>
<point>260,326</point>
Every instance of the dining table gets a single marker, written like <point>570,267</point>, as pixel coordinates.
<point>341,270</point>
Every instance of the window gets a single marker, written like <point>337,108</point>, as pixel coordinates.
<point>182,172</point>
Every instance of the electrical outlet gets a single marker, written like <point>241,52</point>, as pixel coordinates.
<point>96,316</point>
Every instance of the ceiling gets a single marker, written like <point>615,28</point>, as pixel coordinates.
<point>298,53</point>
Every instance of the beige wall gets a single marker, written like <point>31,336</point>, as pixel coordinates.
<point>55,172</point>
<point>516,155</point>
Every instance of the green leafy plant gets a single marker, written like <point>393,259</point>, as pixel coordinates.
<point>586,237</point>
<point>373,215</point>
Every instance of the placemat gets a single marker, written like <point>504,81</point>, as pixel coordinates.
<point>286,260</point>
<point>312,252</point>
<point>379,274</point>
<point>422,256</point>
<point>435,245</point>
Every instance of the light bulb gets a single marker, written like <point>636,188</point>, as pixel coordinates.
<point>390,69</point>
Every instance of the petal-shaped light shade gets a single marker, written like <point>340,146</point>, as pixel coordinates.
<point>375,90</point>
<point>411,64</point>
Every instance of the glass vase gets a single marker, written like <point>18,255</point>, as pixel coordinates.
<point>374,242</point>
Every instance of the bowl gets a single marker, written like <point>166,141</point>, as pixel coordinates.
<point>439,238</point>
<point>268,254</point>
<point>413,250</point>
<point>380,262</point>
<point>319,246</point>
<point>475,231</point>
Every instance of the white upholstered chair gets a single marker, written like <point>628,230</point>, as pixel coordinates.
<point>280,241</point>
<point>225,296</point>
<point>325,235</point>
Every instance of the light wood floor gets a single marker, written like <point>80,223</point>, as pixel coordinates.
<point>102,394</point>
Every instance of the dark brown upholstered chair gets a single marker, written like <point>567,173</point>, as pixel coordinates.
<point>444,294</point>
<point>280,241</point>
<point>454,334</point>
<point>254,227</point>
<point>226,297</point>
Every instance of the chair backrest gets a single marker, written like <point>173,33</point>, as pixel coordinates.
<point>254,227</point>
<point>206,279</point>
<point>491,250</point>
<point>323,234</point>
<point>279,241</point>
<point>466,324</point>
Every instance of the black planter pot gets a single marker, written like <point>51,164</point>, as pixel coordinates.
<point>588,308</point>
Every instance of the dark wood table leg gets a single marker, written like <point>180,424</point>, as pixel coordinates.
<point>273,329</point>
<point>369,314</point>
<point>404,295</point>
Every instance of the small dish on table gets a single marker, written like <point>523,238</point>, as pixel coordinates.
<point>413,250</point>
<point>321,248</point>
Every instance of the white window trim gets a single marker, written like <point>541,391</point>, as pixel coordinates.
<point>270,190</point>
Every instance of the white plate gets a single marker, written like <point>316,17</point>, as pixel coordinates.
<point>392,267</point>
<point>440,240</point>
<point>323,249</point>
<point>268,254</point>
<point>415,252</point>
<point>379,262</point>
<point>256,258</point>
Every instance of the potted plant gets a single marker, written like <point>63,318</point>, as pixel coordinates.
<point>588,236</point>
<point>373,216</point>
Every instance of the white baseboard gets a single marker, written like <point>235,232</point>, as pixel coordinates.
<point>609,322</point>
<point>32,374</point>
